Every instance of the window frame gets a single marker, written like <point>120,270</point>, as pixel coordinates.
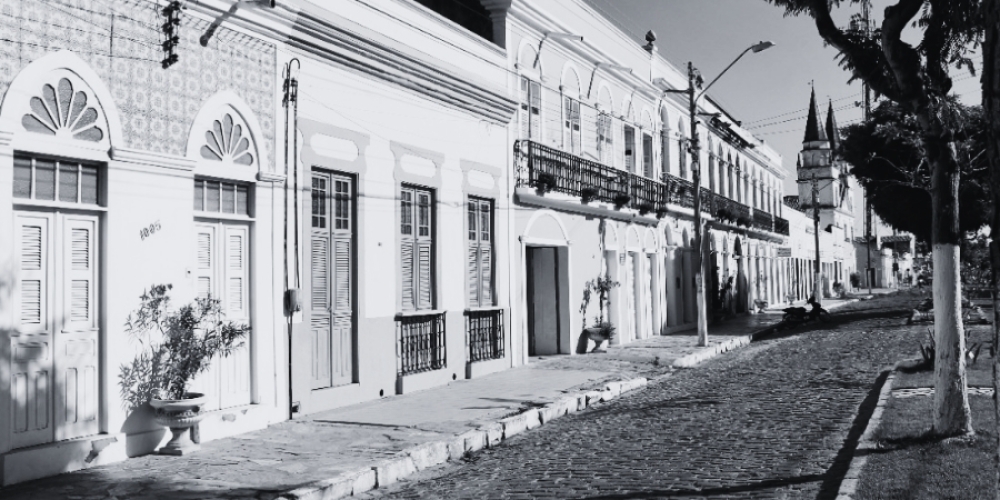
<point>479,242</point>
<point>530,93</point>
<point>100,182</point>
<point>413,221</point>
<point>235,184</point>
<point>572,129</point>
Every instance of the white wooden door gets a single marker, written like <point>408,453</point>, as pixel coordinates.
<point>222,265</point>
<point>332,280</point>
<point>55,345</point>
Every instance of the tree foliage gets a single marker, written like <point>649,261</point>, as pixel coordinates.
<point>889,160</point>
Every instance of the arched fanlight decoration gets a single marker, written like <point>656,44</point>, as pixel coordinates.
<point>227,141</point>
<point>63,111</point>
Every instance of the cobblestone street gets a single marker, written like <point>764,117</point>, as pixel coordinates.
<point>775,420</point>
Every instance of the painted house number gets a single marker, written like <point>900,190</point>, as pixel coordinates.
<point>146,232</point>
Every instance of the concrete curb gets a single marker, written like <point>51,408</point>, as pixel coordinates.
<point>417,458</point>
<point>849,484</point>
<point>696,358</point>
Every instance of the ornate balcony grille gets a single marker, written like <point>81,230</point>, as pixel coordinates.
<point>420,343</point>
<point>485,335</point>
<point>763,220</point>
<point>679,191</point>
<point>781,226</point>
<point>550,169</point>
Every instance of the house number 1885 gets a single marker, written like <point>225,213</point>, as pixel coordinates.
<point>146,232</point>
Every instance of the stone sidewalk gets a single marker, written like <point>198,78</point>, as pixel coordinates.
<point>386,439</point>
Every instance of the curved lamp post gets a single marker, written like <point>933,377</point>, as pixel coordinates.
<point>694,85</point>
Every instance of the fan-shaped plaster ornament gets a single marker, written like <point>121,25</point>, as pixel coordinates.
<point>226,142</point>
<point>63,111</point>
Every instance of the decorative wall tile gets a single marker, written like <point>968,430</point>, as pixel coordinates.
<point>157,106</point>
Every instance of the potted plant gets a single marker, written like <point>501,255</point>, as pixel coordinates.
<point>661,212</point>
<point>177,345</point>
<point>601,330</point>
<point>645,208</point>
<point>545,182</point>
<point>588,194</point>
<point>620,200</point>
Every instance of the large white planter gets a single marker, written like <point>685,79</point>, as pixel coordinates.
<point>179,415</point>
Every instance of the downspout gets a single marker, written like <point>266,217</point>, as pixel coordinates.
<point>292,300</point>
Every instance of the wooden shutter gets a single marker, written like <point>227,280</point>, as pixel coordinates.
<point>205,267</point>
<point>535,123</point>
<point>425,280</point>
<point>473,277</point>
<point>424,247</point>
<point>81,272</point>
<point>76,406</point>
<point>486,253</point>
<point>237,277</point>
<point>575,132</point>
<point>480,253</point>
<point>234,370</point>
<point>406,249</point>
<point>524,110</point>
<point>647,155</point>
<point>589,134</point>
<point>629,148</point>
<point>31,343</point>
<point>33,274</point>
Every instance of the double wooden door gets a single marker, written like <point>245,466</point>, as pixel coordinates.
<point>55,344</point>
<point>331,280</point>
<point>223,273</point>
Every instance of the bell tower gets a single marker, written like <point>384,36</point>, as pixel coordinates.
<point>818,162</point>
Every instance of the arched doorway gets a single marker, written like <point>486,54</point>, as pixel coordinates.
<point>741,277</point>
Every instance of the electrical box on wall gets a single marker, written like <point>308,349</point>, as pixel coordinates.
<point>293,301</point>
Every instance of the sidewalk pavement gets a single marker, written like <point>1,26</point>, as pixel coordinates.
<point>354,449</point>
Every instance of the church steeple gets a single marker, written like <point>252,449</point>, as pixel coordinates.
<point>814,132</point>
<point>832,131</point>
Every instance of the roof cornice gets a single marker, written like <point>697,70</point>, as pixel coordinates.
<point>334,39</point>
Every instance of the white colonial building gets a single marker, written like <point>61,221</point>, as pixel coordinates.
<point>603,185</point>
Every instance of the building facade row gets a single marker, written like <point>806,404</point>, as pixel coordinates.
<point>393,194</point>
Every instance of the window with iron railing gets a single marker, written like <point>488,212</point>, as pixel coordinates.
<point>420,343</point>
<point>485,334</point>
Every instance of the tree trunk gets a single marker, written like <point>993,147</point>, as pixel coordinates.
<point>991,109</point>
<point>952,416</point>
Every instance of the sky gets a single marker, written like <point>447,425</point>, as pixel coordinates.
<point>767,91</point>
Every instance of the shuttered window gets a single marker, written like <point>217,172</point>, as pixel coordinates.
<point>530,109</point>
<point>605,138</point>
<point>480,252</point>
<point>629,148</point>
<point>56,180</point>
<point>647,155</point>
<point>416,238</point>
<point>221,197</point>
<point>571,126</point>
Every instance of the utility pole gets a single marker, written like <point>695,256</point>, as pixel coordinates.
<point>695,149</point>
<point>817,284</point>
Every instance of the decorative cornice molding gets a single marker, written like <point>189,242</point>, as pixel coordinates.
<point>142,157</point>
<point>271,177</point>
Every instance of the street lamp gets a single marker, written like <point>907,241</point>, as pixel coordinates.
<point>694,84</point>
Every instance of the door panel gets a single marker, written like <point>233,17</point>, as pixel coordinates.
<point>234,370</point>
<point>77,353</point>
<point>32,342</point>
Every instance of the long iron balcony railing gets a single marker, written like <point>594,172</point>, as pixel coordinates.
<point>549,169</point>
